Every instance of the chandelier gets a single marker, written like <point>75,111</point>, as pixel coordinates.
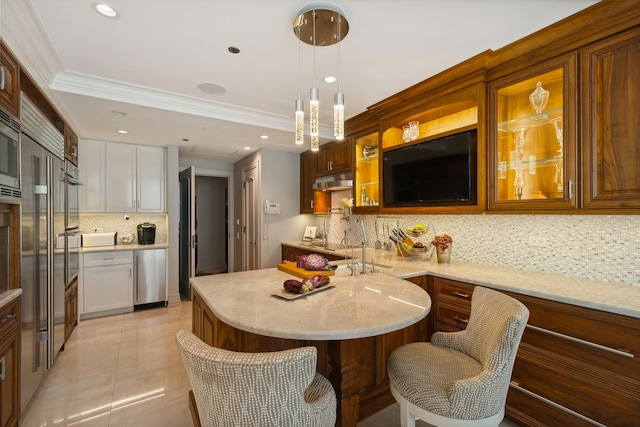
<point>319,24</point>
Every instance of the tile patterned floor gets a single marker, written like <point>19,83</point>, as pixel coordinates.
<point>125,370</point>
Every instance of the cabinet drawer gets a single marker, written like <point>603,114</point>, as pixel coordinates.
<point>452,291</point>
<point>451,314</point>
<point>100,259</point>
<point>527,409</point>
<point>9,317</point>
<point>606,341</point>
<point>610,401</point>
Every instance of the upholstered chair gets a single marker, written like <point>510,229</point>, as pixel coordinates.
<point>257,389</point>
<point>461,378</point>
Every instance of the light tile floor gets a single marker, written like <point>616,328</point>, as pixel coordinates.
<point>126,370</point>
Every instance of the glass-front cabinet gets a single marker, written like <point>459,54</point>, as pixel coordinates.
<point>532,138</point>
<point>367,171</point>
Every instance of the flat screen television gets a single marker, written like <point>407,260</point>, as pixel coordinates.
<point>440,172</point>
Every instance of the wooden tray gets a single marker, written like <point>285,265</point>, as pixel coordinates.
<point>290,267</point>
<point>290,295</point>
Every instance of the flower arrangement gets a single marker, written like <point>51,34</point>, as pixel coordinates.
<point>442,241</point>
<point>347,203</point>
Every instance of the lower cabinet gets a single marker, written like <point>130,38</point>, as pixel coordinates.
<point>9,364</point>
<point>575,366</point>
<point>70,309</point>
<point>107,283</point>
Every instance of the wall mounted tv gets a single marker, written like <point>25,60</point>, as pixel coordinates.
<point>440,172</point>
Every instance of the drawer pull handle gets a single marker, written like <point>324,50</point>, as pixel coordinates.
<point>581,341</point>
<point>461,295</point>
<point>6,318</point>
<point>517,386</point>
<point>460,319</point>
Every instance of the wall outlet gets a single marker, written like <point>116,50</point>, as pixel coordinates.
<point>538,241</point>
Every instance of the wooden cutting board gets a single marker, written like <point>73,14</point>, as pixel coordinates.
<point>290,267</point>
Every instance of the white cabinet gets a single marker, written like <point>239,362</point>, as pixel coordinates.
<point>122,177</point>
<point>92,176</point>
<point>135,178</point>
<point>107,283</point>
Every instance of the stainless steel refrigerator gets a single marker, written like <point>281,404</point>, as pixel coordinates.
<point>42,276</point>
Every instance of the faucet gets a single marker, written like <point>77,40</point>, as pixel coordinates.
<point>364,246</point>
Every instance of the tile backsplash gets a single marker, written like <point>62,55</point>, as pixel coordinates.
<point>601,247</point>
<point>90,223</point>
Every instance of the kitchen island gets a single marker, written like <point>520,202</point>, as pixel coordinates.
<point>354,325</point>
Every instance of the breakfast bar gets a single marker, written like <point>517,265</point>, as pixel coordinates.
<point>354,323</point>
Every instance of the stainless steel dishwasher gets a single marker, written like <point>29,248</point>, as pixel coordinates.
<point>150,285</point>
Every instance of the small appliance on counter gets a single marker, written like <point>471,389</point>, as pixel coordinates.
<point>92,240</point>
<point>146,233</point>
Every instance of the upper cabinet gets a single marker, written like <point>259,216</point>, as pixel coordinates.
<point>433,155</point>
<point>70,145</point>
<point>135,178</point>
<point>532,154</point>
<point>610,72</point>
<point>367,171</point>
<point>334,157</point>
<point>9,82</point>
<point>122,177</point>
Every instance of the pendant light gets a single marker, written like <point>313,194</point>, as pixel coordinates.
<point>338,98</point>
<point>314,93</point>
<point>319,25</point>
<point>299,105</point>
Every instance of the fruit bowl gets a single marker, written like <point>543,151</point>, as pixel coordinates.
<point>418,252</point>
<point>417,233</point>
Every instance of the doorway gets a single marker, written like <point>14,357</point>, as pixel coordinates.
<point>204,227</point>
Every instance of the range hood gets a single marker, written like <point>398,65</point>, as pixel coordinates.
<point>342,181</point>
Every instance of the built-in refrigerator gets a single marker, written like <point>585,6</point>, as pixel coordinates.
<point>43,269</point>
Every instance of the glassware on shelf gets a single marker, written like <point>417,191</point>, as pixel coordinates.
<point>406,136</point>
<point>539,98</point>
<point>519,136</point>
<point>532,164</point>
<point>559,180</point>
<point>502,169</point>
<point>557,126</point>
<point>518,181</point>
<point>414,131</point>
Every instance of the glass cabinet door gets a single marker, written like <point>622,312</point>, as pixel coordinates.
<point>533,133</point>
<point>366,181</point>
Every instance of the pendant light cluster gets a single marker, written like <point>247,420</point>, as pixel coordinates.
<point>319,24</point>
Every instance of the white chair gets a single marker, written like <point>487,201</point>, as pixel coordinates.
<point>461,378</point>
<point>234,389</point>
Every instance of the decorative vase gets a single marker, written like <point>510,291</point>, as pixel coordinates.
<point>444,255</point>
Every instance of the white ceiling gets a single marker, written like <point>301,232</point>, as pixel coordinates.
<point>149,60</point>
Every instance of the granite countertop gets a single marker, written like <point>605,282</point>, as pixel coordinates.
<point>357,306</point>
<point>8,296</point>
<point>611,297</point>
<point>123,248</point>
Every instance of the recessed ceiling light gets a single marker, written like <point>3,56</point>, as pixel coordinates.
<point>105,10</point>
<point>329,79</point>
<point>118,113</point>
<point>264,136</point>
<point>211,88</point>
<point>247,148</point>
<point>122,131</point>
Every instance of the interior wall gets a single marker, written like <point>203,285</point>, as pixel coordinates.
<point>211,224</point>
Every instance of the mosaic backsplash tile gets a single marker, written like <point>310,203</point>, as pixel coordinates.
<point>90,223</point>
<point>601,247</point>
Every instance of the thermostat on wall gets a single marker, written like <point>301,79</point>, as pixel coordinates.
<point>271,208</point>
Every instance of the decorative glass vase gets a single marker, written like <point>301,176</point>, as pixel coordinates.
<point>444,255</point>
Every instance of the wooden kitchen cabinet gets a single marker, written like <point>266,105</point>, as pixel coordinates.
<point>9,82</point>
<point>366,178</point>
<point>70,309</point>
<point>333,158</point>
<point>532,136</point>
<point>610,125</point>
<point>311,201</point>
<point>9,364</point>
<point>575,365</point>
<point>70,145</point>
